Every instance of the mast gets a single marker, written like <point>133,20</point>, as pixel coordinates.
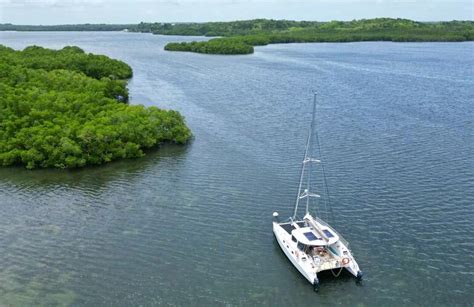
<point>304,192</point>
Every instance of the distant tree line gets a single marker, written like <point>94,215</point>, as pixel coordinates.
<point>232,28</point>
<point>65,108</point>
<point>270,26</point>
<point>239,36</point>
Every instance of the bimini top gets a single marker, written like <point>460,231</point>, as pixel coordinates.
<point>307,236</point>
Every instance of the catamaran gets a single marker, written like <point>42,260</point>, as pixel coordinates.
<point>309,242</point>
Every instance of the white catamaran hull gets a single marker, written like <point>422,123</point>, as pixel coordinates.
<point>283,241</point>
<point>336,255</point>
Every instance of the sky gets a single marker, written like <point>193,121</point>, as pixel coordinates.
<point>128,11</point>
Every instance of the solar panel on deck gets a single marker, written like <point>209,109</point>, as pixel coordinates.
<point>328,233</point>
<point>310,236</point>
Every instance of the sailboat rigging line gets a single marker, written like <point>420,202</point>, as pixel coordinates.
<point>310,146</point>
<point>327,199</point>
<point>307,159</point>
<point>301,181</point>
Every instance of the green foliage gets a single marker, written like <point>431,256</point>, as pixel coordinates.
<point>213,46</point>
<point>233,28</point>
<point>58,113</point>
<point>70,58</point>
<point>261,32</point>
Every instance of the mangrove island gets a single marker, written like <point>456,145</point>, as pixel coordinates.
<point>66,108</point>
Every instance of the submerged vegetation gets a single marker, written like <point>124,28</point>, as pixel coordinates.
<point>65,108</point>
<point>239,37</point>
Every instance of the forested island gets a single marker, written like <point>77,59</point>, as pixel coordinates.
<point>66,108</point>
<point>239,37</point>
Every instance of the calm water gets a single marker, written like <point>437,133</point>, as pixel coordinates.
<point>192,224</point>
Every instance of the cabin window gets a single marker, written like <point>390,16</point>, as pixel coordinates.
<point>300,246</point>
<point>293,238</point>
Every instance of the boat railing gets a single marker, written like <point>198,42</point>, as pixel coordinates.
<point>341,238</point>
